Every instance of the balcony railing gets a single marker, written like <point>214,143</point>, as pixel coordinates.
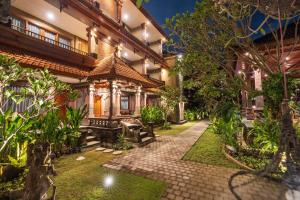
<point>48,40</point>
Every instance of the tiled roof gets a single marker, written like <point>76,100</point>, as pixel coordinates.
<point>27,59</point>
<point>114,67</point>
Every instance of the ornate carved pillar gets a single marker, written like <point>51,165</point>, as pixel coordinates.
<point>145,99</point>
<point>91,100</point>
<point>92,42</point>
<point>116,99</point>
<point>138,101</point>
<point>119,4</point>
<point>259,101</point>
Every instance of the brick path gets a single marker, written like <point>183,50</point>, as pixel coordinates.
<point>186,180</point>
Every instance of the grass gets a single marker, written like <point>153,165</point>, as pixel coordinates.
<point>83,180</point>
<point>208,150</point>
<point>175,129</point>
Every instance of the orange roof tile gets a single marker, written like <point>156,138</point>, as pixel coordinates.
<point>27,59</point>
<point>114,67</point>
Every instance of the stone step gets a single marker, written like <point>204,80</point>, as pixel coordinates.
<point>143,134</point>
<point>146,140</point>
<point>91,145</point>
<point>90,138</point>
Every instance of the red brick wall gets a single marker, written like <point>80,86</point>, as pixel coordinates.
<point>104,49</point>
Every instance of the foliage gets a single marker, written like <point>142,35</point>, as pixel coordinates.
<point>171,97</point>
<point>195,114</point>
<point>152,114</point>
<point>122,143</point>
<point>14,185</point>
<point>72,124</point>
<point>257,163</point>
<point>166,126</point>
<point>227,122</point>
<point>266,133</point>
<point>51,128</point>
<point>41,87</point>
<point>273,91</point>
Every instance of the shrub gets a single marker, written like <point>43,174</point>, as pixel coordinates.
<point>152,114</point>
<point>266,133</point>
<point>195,114</point>
<point>227,123</point>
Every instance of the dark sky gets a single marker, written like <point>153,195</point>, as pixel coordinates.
<point>162,9</point>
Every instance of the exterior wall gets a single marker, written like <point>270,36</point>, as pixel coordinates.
<point>76,42</point>
<point>140,68</point>
<point>109,7</point>
<point>156,76</point>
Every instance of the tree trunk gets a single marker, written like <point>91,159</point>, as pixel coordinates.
<point>39,163</point>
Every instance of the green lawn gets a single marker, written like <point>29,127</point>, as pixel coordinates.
<point>176,129</point>
<point>84,180</point>
<point>208,150</point>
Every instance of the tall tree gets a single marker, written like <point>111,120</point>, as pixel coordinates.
<point>216,34</point>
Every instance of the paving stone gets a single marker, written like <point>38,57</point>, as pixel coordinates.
<point>108,150</point>
<point>80,158</point>
<point>100,149</point>
<point>117,152</point>
<point>162,160</point>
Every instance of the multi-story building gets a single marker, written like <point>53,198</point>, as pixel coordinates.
<point>110,50</point>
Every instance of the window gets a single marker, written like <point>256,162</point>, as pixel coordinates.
<point>34,31</point>
<point>124,102</point>
<point>49,37</point>
<point>18,24</point>
<point>64,43</point>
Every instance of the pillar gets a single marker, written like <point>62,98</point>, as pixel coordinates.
<point>91,100</point>
<point>145,99</point>
<point>92,42</point>
<point>118,102</point>
<point>103,104</point>
<point>119,10</point>
<point>259,101</point>
<point>138,101</point>
<point>116,99</point>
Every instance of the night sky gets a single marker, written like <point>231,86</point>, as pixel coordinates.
<point>162,9</point>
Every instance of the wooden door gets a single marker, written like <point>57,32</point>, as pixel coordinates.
<point>97,106</point>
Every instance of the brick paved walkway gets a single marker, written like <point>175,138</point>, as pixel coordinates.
<point>186,180</point>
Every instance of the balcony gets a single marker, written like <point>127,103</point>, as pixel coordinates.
<point>48,40</point>
<point>24,39</point>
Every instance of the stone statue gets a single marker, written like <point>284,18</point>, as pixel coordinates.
<point>5,12</point>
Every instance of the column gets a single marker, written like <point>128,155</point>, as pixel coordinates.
<point>92,42</point>
<point>259,101</point>
<point>145,99</point>
<point>118,102</point>
<point>116,99</point>
<point>119,9</point>
<point>138,101</point>
<point>91,100</point>
<point>103,99</point>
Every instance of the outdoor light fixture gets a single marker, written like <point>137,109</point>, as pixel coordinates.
<point>287,58</point>
<point>125,54</point>
<point>163,39</point>
<point>108,181</point>
<point>126,16</point>
<point>266,75</point>
<point>239,72</point>
<point>247,54</point>
<point>253,107</point>
<point>148,22</point>
<point>109,38</point>
<point>146,34</point>
<point>50,15</point>
<point>180,56</point>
